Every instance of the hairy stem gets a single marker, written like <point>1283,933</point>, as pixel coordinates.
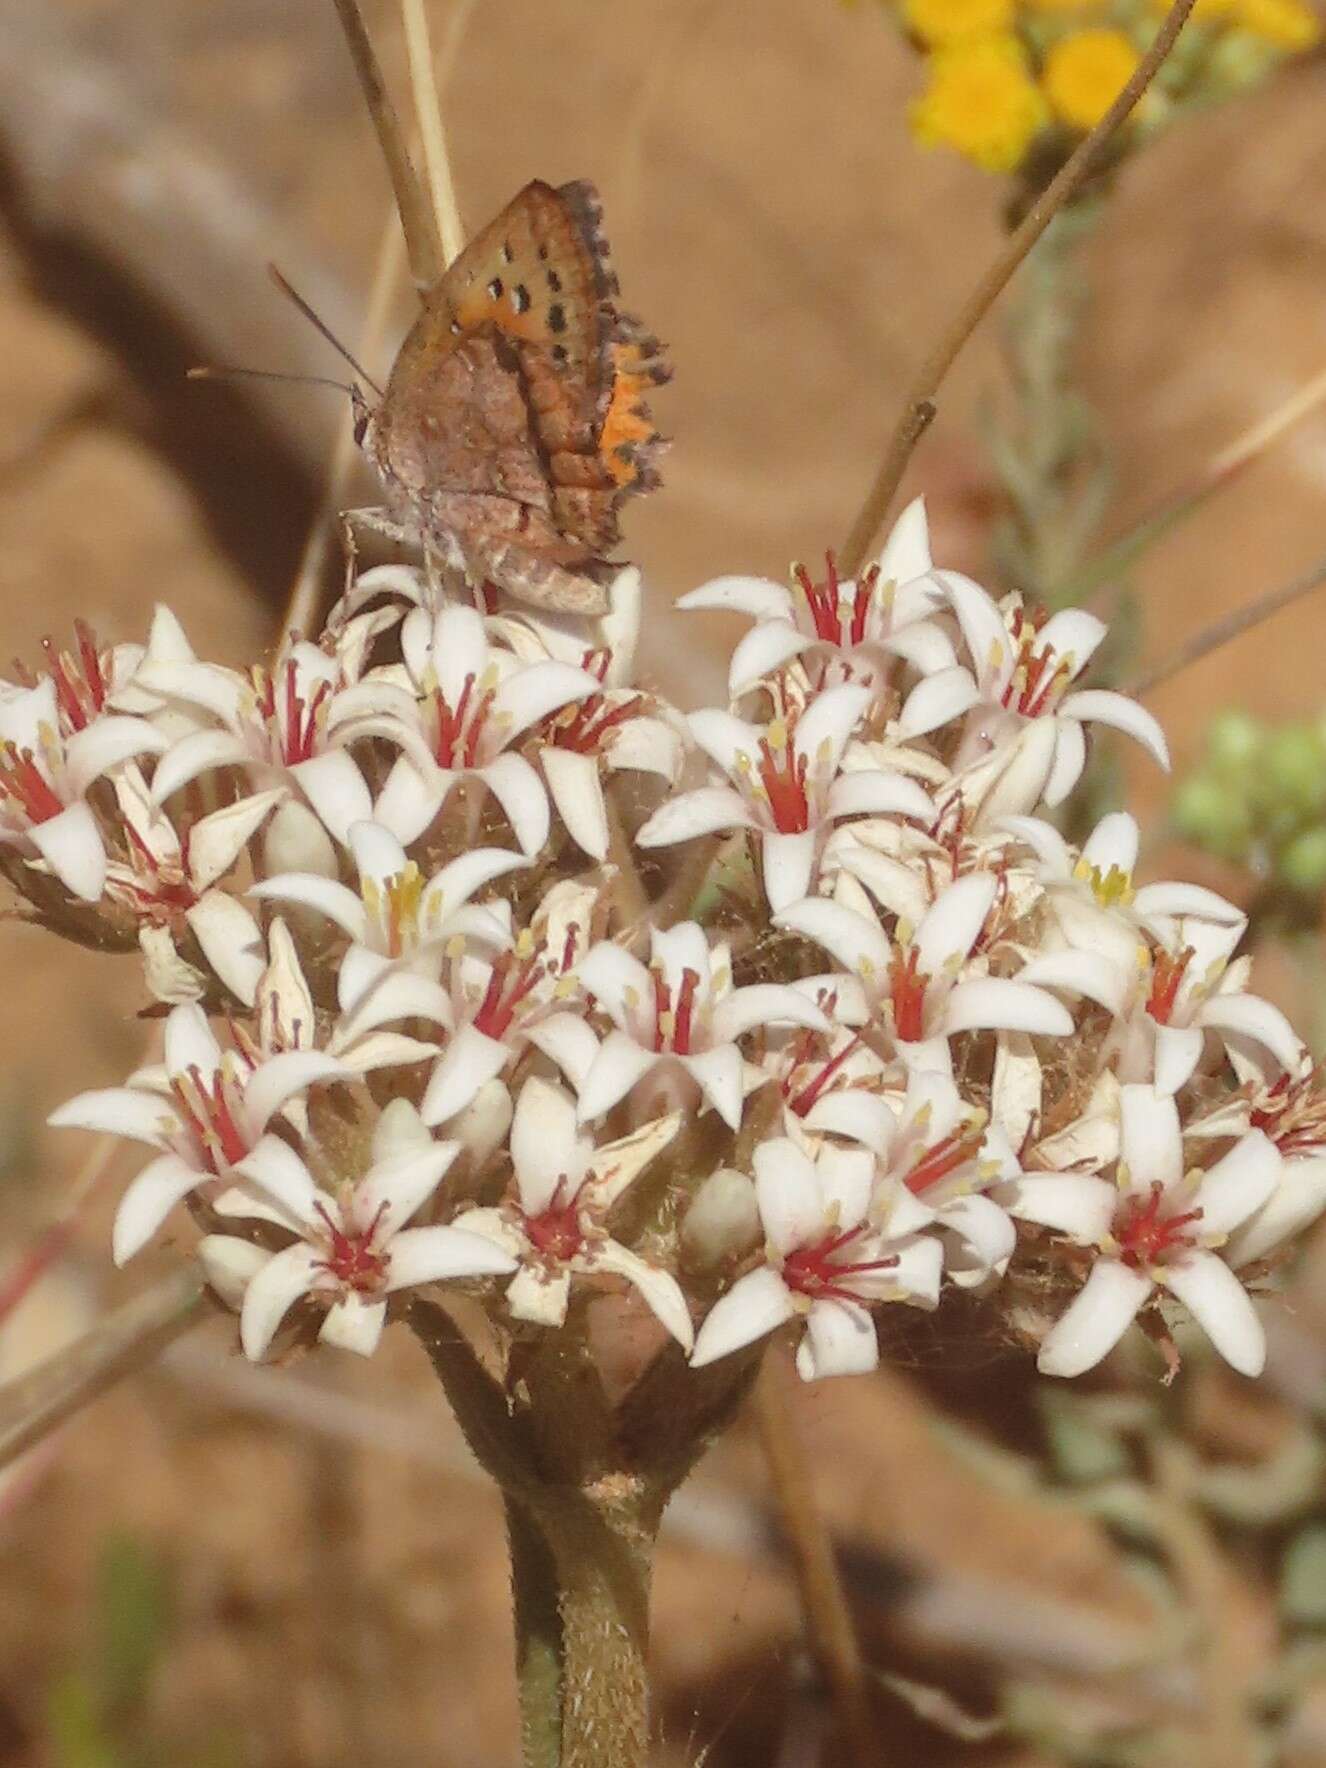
<point>919,405</point>
<point>538,1622</point>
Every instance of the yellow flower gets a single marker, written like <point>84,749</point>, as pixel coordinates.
<point>1291,25</point>
<point>982,100</point>
<point>1085,73</point>
<point>948,21</point>
<point>1069,5</point>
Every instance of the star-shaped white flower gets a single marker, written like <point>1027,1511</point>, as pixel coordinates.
<point>467,705</point>
<point>203,1107</point>
<point>280,725</point>
<point>1019,701</point>
<point>678,1019</point>
<point>843,629</point>
<point>788,785</point>
<point>353,1248</point>
<point>824,1261</point>
<point>44,779</point>
<point>1156,1227</point>
<point>554,1219</point>
<point>920,990</point>
<point>397,916</point>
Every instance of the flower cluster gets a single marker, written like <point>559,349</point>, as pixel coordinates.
<point>1013,82</point>
<point>682,1030</point>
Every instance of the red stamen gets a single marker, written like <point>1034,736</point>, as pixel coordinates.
<point>943,1158</point>
<point>783,775</point>
<point>556,1232</point>
<point>1166,977</point>
<point>24,782</point>
<point>500,1001</point>
<point>907,986</point>
<point>1145,1236</point>
<point>683,1027</point>
<point>815,1087</point>
<point>816,1271</point>
<point>351,1258</point>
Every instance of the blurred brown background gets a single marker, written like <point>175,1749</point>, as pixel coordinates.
<point>336,1583</point>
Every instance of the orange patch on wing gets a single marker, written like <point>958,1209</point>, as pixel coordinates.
<point>626,427</point>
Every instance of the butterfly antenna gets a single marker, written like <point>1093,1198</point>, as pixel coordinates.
<point>209,373</point>
<point>293,294</point>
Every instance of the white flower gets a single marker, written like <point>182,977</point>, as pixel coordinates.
<point>397,916</point>
<point>553,1221</point>
<point>1188,990</point>
<point>787,784</point>
<point>169,885</point>
<point>353,1248</point>
<point>204,1108</point>
<point>44,779</point>
<point>841,630</point>
<point>1291,1111</point>
<point>89,679</point>
<point>499,1003</point>
<point>287,1018</point>
<point>279,725</point>
<point>681,1016</point>
<point>920,990</point>
<point>1156,1227</point>
<point>824,1261</point>
<point>608,732</point>
<point>467,704</point>
<point>1022,677</point>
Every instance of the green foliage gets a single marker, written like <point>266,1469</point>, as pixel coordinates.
<point>1257,797</point>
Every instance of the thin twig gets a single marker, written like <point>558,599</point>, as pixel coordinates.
<point>1221,470</point>
<point>418,221</point>
<point>917,411</point>
<point>33,1404</point>
<point>302,606</point>
<point>428,110</point>
<point>1232,626</point>
<point>828,1620</point>
<point>52,1242</point>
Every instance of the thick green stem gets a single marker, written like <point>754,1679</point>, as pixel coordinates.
<point>534,1593</point>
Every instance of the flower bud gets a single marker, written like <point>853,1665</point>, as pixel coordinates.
<point>297,842</point>
<point>1207,812</point>
<point>1234,740</point>
<point>1302,864</point>
<point>723,1221</point>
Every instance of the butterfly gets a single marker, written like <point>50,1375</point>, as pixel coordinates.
<point>514,423</point>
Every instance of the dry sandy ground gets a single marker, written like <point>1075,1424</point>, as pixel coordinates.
<point>337,1601</point>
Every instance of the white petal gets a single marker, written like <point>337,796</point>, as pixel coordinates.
<point>986,1240</point>
<point>216,841</point>
<point>198,753</point>
<point>659,1291</point>
<point>787,1190</point>
<point>787,863</point>
<point>1101,706</point>
<point>906,552</point>
<point>190,1042</point>
<point>859,944</point>
<point>1150,1147</point>
<point>329,898</point>
<point>1299,1199</point>
<point>619,1064</point>
<point>119,1111</point>
<point>538,1296</point>
<point>765,647</point>
<point>1080,973</point>
<point>335,788</point>
<point>230,1265</point>
<point>845,1176</point>
<point>106,743</point>
<point>703,812</point>
<point>649,745</point>
<point>874,792</point>
<point>1248,1016</point>
<point>1080,1205</point>
<point>620,983</point>
<point>573,780</point>
<point>377,854</point>
<point>1112,844</point>
<point>756,596</point>
<point>446,891</point>
<point>997,1004</point>
<point>1096,1319</point>
<point>354,1324</point>
<point>280,1078</point>
<point>720,1074</point>
<point>1178,1051</point>
<point>470,1060</point>
<point>1238,1185</point>
<point>231,941</point>
<point>148,1201</point>
<point>568,1042</point>
<point>396,1187</point>
<point>1073,635</point>
<point>545,1144</point>
<point>953,923</point>
<point>272,1292</point>
<point>70,843</point>
<point>937,701</point>
<point>755,1305</point>
<point>281,1176</point>
<point>1222,1308</point>
<point>532,693</point>
<point>520,792</point>
<point>862,1117</point>
<point>824,728</point>
<point>1172,901</point>
<point>839,1340</point>
<point>1070,757</point>
<point>432,1255</point>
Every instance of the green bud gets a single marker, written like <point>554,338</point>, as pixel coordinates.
<point>1291,775</point>
<point>1301,865</point>
<point>1208,813</point>
<point>1233,740</point>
